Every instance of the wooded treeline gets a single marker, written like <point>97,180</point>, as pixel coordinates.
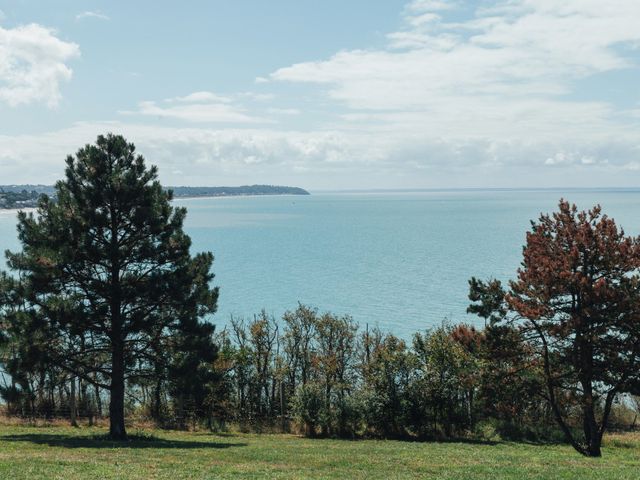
<point>318,372</point>
<point>321,375</point>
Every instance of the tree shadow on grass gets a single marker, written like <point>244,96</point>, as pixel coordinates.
<point>423,440</point>
<point>470,441</point>
<point>101,441</point>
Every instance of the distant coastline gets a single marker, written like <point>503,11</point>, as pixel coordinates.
<point>245,190</point>
<point>20,197</point>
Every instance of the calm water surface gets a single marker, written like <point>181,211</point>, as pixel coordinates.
<point>400,261</point>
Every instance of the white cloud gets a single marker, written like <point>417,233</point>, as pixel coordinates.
<point>505,72</point>
<point>199,107</point>
<point>89,14</point>
<point>196,112</point>
<point>430,5</point>
<point>284,111</point>
<point>424,19</point>
<point>33,65</point>
<point>575,158</point>
<point>260,97</point>
<point>209,107</point>
<point>200,97</point>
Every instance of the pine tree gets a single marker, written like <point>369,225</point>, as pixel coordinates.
<point>577,301</point>
<point>106,275</point>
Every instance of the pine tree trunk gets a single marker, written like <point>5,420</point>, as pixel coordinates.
<point>157,400</point>
<point>282,408</point>
<point>591,430</point>
<point>116,405</point>
<point>590,424</point>
<point>181,414</point>
<point>72,403</point>
<point>98,402</point>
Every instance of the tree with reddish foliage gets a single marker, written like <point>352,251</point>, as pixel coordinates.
<point>577,299</point>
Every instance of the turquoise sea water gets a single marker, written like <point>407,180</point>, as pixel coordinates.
<point>398,260</point>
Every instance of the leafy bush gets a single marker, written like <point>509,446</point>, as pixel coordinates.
<point>308,407</point>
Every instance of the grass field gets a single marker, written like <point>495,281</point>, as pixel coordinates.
<point>66,453</point>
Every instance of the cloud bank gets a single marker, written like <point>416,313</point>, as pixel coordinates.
<point>508,71</point>
<point>33,65</point>
<point>333,159</point>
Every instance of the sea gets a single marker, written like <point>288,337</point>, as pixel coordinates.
<point>396,260</point>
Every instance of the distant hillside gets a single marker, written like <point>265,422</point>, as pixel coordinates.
<point>236,191</point>
<point>19,196</point>
<point>48,189</point>
<point>25,196</point>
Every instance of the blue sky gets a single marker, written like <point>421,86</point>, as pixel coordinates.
<point>328,95</point>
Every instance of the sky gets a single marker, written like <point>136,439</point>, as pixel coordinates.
<point>328,95</point>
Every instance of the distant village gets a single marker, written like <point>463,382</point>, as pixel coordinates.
<point>18,199</point>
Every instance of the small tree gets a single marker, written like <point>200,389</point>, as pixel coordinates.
<point>335,352</point>
<point>387,368</point>
<point>298,339</point>
<point>446,370</point>
<point>511,373</point>
<point>191,376</point>
<point>308,407</point>
<point>577,300</point>
<point>108,262</point>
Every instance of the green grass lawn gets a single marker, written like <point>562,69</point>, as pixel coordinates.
<point>66,453</point>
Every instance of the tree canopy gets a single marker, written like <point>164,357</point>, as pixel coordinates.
<point>576,300</point>
<point>105,279</point>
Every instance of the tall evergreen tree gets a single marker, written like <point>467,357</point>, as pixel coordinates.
<point>106,272</point>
